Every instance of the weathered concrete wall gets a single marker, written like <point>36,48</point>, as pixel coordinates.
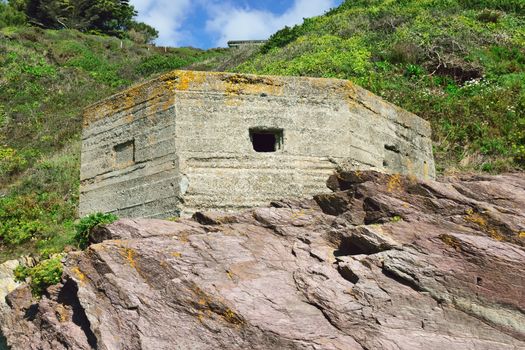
<point>181,142</point>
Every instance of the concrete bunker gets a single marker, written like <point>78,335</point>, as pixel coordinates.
<point>189,141</point>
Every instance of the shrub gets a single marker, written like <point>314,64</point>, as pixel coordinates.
<point>282,38</point>
<point>10,16</point>
<point>41,276</point>
<point>10,161</point>
<point>3,116</point>
<point>489,16</point>
<point>414,71</point>
<point>88,223</point>
<point>160,63</point>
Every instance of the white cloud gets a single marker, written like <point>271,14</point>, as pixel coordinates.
<point>228,22</point>
<point>225,20</point>
<point>167,16</point>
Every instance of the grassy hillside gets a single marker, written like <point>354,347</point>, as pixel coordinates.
<point>46,78</point>
<point>457,63</point>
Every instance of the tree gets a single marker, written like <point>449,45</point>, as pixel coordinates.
<point>9,16</point>
<point>113,17</point>
<point>142,33</point>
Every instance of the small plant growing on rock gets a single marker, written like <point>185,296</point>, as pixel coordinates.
<point>41,276</point>
<point>88,223</point>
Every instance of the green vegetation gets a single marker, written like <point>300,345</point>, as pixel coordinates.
<point>10,17</point>
<point>88,223</point>
<point>458,63</point>
<point>43,275</point>
<point>49,271</point>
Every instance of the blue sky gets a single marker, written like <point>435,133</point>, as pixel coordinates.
<point>211,23</point>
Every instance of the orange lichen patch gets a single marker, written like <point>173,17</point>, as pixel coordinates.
<point>78,274</point>
<point>62,314</point>
<point>130,257</point>
<point>250,85</point>
<point>232,317</point>
<point>479,220</point>
<point>394,183</point>
<point>451,241</point>
<point>475,217</point>
<point>182,80</point>
<point>129,254</point>
<point>495,235</point>
<point>350,90</point>
<point>150,92</point>
<point>171,85</point>
<point>521,234</point>
<point>176,254</point>
<point>206,306</point>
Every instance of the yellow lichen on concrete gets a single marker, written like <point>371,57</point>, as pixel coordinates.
<point>182,80</point>
<point>349,92</point>
<point>521,234</point>
<point>249,85</point>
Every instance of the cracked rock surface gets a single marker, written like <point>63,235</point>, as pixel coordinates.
<point>385,262</point>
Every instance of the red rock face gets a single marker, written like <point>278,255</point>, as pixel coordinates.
<point>385,262</point>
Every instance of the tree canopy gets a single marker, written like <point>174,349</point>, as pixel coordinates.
<point>112,17</point>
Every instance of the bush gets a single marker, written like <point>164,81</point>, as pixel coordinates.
<point>88,223</point>
<point>282,38</point>
<point>489,16</point>
<point>10,161</point>
<point>45,274</point>
<point>324,56</point>
<point>10,16</point>
<point>160,63</point>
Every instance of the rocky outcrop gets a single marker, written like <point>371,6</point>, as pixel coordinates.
<point>385,262</point>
